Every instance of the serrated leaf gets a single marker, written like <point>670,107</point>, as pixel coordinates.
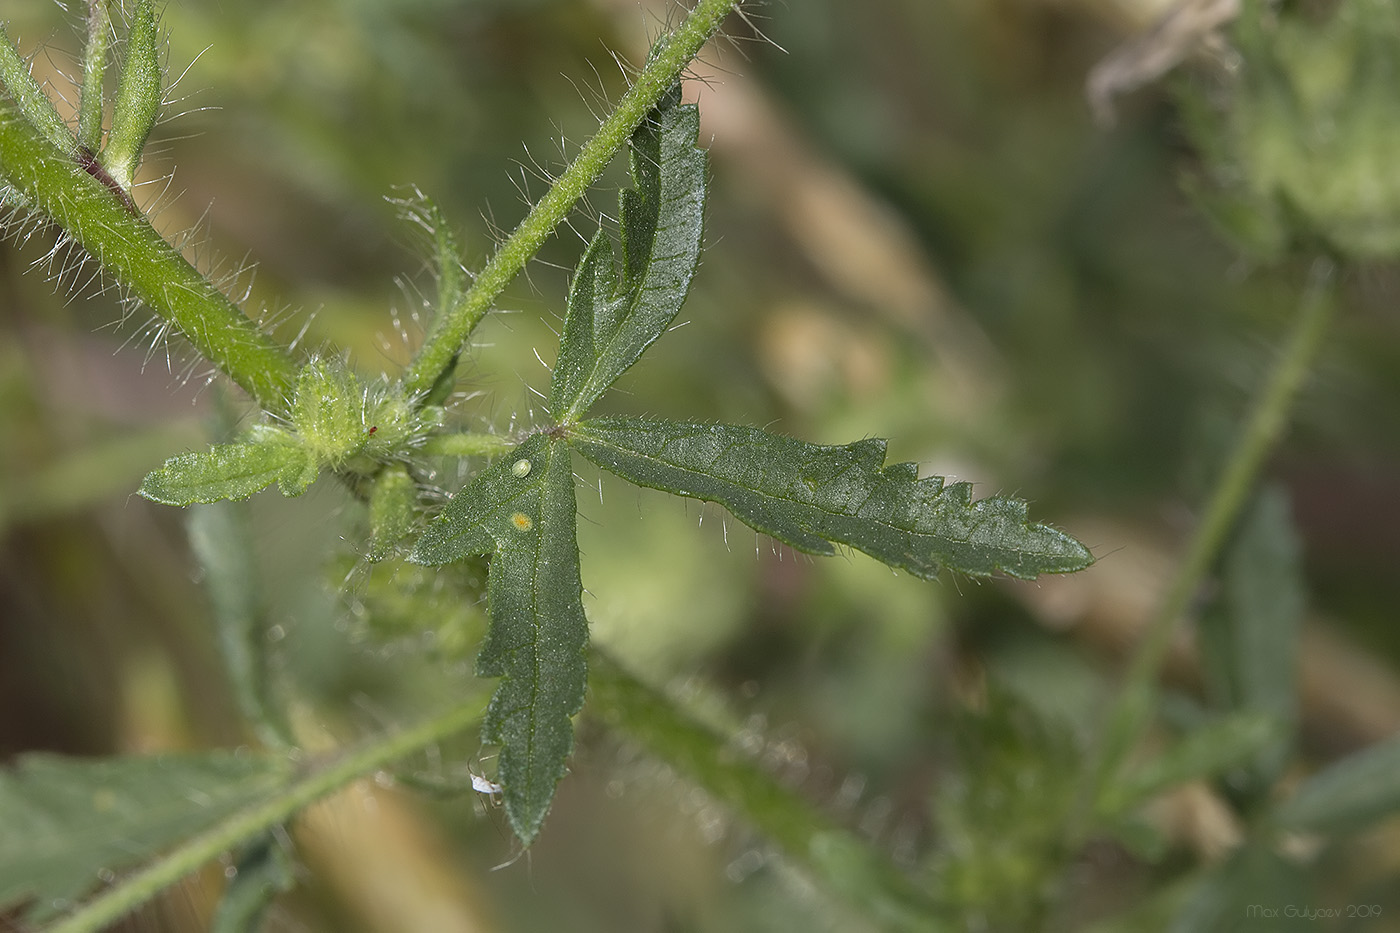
<point>1352,794</point>
<point>138,97</point>
<point>613,317</point>
<point>233,471</point>
<point>66,822</point>
<point>521,511</point>
<point>1249,639</point>
<point>809,496</point>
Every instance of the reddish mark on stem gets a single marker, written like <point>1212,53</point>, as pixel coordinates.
<point>88,163</point>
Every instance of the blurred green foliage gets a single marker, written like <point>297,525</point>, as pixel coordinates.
<point>1121,337</point>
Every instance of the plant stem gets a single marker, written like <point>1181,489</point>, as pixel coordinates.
<point>250,823</point>
<point>843,864</point>
<point>668,60</point>
<point>94,64</point>
<point>131,251</point>
<point>1262,429</point>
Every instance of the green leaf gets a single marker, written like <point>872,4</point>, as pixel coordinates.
<point>138,97</point>
<point>1256,890</point>
<point>233,471</point>
<point>521,510</point>
<point>612,318</point>
<point>1352,794</point>
<point>67,823</point>
<point>1208,751</point>
<point>221,538</point>
<point>1249,639</point>
<point>809,496</point>
<point>263,871</point>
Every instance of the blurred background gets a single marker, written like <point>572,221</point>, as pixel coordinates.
<point>916,231</point>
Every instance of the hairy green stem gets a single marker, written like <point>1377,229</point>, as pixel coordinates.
<point>1263,427</point>
<point>255,820</point>
<point>843,865</point>
<point>94,66</point>
<point>131,251</point>
<point>668,61</point>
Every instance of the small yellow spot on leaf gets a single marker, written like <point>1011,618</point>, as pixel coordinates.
<point>522,521</point>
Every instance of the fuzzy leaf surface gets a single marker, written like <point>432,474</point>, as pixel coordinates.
<point>521,511</point>
<point>809,496</point>
<point>233,471</point>
<point>613,317</point>
<point>64,822</point>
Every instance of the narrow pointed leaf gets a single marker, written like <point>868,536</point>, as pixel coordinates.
<point>232,471</point>
<point>221,538</point>
<point>138,97</point>
<point>521,511</point>
<point>1229,742</point>
<point>1249,639</point>
<point>811,496</point>
<point>65,823</point>
<point>264,870</point>
<point>613,317</point>
<point>1350,795</point>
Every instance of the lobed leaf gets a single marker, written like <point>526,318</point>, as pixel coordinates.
<point>809,496</point>
<point>66,823</point>
<point>613,317</point>
<point>521,511</point>
<point>233,471</point>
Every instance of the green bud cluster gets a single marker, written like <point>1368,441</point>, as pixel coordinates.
<point>337,417</point>
<point>1303,144</point>
<point>336,421</point>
